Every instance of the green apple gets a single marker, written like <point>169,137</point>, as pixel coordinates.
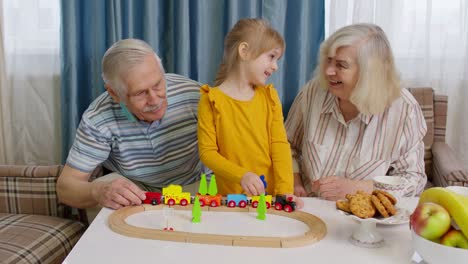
<point>430,220</point>
<point>454,238</point>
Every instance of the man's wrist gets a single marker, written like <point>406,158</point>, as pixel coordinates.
<point>95,190</point>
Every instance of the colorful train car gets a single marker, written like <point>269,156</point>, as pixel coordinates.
<point>240,200</point>
<point>285,203</point>
<point>256,198</point>
<point>153,198</point>
<point>173,195</point>
<point>210,200</point>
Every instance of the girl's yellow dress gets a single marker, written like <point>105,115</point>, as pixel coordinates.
<point>235,137</point>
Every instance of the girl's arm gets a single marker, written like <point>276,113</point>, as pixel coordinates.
<point>280,149</point>
<point>207,142</point>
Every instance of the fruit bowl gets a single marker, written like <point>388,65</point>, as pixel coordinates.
<point>459,189</point>
<point>433,253</point>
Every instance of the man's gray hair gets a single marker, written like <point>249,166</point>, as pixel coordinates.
<point>120,58</point>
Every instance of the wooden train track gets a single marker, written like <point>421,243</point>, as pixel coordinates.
<point>317,229</point>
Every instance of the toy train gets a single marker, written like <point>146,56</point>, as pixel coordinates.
<point>173,195</point>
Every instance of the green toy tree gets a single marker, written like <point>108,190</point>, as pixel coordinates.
<point>261,208</point>
<point>196,211</point>
<point>202,188</point>
<point>213,188</point>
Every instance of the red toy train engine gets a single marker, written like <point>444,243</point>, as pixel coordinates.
<point>153,198</point>
<point>286,203</point>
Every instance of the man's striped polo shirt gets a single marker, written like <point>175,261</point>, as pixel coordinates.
<point>157,154</point>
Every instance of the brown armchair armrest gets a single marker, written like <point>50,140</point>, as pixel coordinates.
<point>447,169</point>
<point>32,190</point>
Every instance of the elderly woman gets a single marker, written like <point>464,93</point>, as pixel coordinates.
<point>353,121</point>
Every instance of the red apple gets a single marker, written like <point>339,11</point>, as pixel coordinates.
<point>430,220</point>
<point>454,238</point>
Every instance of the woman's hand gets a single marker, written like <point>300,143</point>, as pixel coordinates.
<point>299,189</point>
<point>335,187</point>
<point>251,184</point>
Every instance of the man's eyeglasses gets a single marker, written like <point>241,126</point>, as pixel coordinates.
<point>145,94</point>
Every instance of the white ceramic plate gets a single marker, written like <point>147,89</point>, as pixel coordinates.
<point>401,217</point>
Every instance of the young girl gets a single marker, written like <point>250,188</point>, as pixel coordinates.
<point>240,122</point>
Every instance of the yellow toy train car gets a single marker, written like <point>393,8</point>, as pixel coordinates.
<point>173,195</point>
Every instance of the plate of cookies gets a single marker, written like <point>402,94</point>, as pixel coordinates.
<point>379,206</point>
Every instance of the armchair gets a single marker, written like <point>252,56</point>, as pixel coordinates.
<point>34,226</point>
<point>443,168</point>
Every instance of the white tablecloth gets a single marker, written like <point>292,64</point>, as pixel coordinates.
<point>100,244</point>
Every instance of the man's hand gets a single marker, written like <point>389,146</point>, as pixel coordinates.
<point>251,184</point>
<point>335,187</point>
<point>117,193</point>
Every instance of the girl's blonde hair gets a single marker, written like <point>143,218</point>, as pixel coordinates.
<point>259,35</point>
<point>379,83</point>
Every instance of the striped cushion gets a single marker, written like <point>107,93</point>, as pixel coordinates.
<point>447,169</point>
<point>455,178</point>
<point>440,117</point>
<point>37,238</point>
<point>459,177</point>
<point>425,98</point>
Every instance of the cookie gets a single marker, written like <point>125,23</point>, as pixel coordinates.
<point>361,192</point>
<point>361,206</point>
<point>379,206</point>
<point>386,202</point>
<point>388,195</point>
<point>367,195</point>
<point>343,205</point>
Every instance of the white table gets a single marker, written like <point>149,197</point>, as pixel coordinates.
<point>100,244</point>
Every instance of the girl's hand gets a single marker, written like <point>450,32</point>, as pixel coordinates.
<point>251,184</point>
<point>299,201</point>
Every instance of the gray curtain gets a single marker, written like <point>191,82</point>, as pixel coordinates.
<point>187,35</point>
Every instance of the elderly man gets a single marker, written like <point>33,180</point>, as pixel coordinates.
<point>144,129</point>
